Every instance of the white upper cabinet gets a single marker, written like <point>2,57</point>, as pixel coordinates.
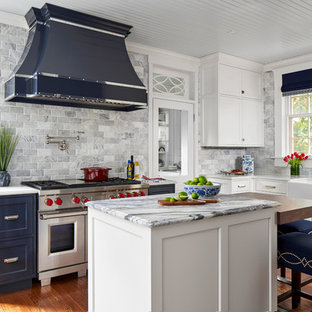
<point>230,80</point>
<point>239,82</point>
<point>252,122</point>
<point>231,102</point>
<point>229,128</point>
<point>251,84</point>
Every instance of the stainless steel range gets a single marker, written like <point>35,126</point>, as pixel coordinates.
<point>62,221</point>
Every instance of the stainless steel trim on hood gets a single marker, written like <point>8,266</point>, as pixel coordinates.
<point>123,85</point>
<point>22,76</point>
<point>86,27</point>
<point>124,102</point>
<point>50,75</point>
<point>111,83</point>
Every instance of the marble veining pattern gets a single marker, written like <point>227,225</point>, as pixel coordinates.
<point>146,210</point>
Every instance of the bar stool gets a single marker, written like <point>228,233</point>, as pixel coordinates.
<point>295,253</point>
<point>304,226</point>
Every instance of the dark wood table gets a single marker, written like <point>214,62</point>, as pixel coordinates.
<point>291,209</point>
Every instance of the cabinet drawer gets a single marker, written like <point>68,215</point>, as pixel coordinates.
<point>271,186</point>
<point>161,189</point>
<point>241,186</point>
<point>16,260</point>
<point>16,215</point>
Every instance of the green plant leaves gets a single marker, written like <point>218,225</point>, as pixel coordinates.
<point>8,142</point>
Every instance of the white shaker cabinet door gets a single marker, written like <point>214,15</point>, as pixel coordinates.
<point>251,84</point>
<point>229,122</point>
<point>230,80</point>
<point>252,122</point>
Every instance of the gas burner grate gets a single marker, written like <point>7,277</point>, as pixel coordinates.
<point>109,182</point>
<point>54,185</point>
<point>45,185</point>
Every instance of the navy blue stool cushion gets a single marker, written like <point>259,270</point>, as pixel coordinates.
<point>304,226</point>
<point>295,251</point>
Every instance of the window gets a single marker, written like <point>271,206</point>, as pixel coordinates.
<point>170,83</point>
<point>299,109</point>
<point>166,84</point>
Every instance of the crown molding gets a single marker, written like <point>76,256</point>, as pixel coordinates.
<point>288,62</point>
<point>13,19</point>
<point>148,50</point>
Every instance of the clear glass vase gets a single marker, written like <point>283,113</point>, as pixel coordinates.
<point>295,170</point>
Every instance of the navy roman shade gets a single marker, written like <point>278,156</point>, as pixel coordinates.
<point>297,82</point>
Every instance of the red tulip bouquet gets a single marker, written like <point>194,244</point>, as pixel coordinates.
<point>294,160</point>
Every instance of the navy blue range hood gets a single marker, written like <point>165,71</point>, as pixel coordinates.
<point>75,59</point>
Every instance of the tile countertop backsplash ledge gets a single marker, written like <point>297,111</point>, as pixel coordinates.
<point>272,177</point>
<point>17,190</point>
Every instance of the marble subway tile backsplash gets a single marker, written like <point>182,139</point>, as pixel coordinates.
<point>109,137</point>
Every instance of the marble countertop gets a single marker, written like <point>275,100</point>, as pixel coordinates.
<point>272,177</point>
<point>146,211</point>
<point>16,190</point>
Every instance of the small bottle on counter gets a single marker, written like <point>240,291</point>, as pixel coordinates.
<point>132,167</point>
<point>129,170</point>
<point>136,170</point>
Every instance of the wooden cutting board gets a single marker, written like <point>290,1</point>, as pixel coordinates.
<point>187,202</point>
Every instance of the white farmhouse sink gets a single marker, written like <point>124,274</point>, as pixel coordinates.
<point>301,187</point>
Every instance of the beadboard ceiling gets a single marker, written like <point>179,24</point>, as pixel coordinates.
<point>260,30</point>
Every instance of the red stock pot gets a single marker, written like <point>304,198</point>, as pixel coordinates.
<point>96,173</point>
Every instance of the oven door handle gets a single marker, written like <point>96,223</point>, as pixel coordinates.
<point>62,215</point>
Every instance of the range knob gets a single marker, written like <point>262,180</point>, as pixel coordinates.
<point>85,200</point>
<point>128,194</point>
<point>121,195</point>
<point>58,201</point>
<point>135,194</point>
<point>76,200</point>
<point>142,194</point>
<point>113,197</point>
<point>48,202</point>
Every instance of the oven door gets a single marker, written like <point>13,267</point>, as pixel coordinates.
<point>61,239</point>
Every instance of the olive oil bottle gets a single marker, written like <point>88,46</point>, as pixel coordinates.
<point>130,169</point>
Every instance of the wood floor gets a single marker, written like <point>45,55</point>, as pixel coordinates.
<point>305,305</point>
<point>66,293</point>
<point>69,293</point>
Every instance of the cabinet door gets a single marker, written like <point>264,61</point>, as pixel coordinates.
<point>229,121</point>
<point>252,122</point>
<point>251,84</point>
<point>16,260</point>
<point>17,215</point>
<point>230,80</point>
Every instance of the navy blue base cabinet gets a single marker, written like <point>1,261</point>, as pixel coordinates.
<point>161,189</point>
<point>17,241</point>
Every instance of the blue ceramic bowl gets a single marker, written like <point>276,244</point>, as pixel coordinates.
<point>204,191</point>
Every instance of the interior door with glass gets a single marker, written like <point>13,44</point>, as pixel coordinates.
<point>173,150</point>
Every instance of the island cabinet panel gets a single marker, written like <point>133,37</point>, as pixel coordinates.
<point>119,260</point>
<point>218,264</point>
<point>249,251</point>
<point>202,254</point>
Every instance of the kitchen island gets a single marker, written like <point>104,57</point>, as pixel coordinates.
<point>215,257</point>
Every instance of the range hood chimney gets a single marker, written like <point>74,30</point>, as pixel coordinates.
<point>75,59</point>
